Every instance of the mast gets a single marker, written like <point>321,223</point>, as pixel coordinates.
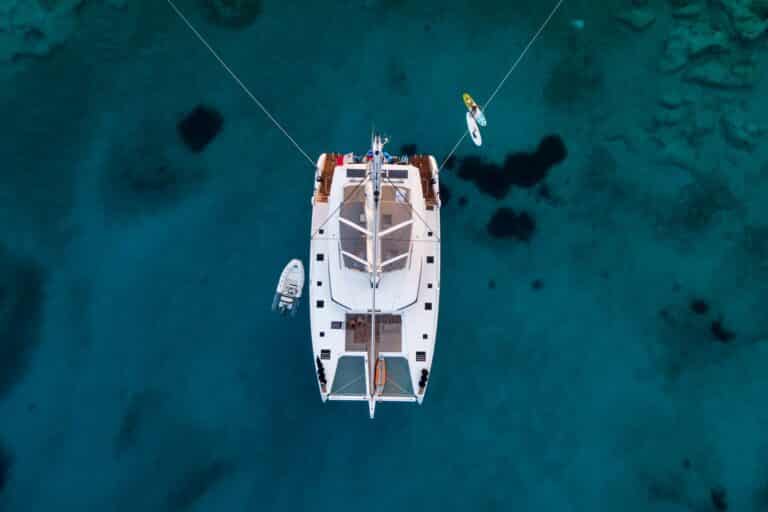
<point>377,160</point>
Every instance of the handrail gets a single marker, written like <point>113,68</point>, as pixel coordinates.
<point>396,227</point>
<point>392,260</point>
<point>359,260</point>
<point>354,226</point>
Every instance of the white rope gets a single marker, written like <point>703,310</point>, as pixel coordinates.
<point>522,54</point>
<point>511,69</point>
<point>239,82</point>
<point>455,147</point>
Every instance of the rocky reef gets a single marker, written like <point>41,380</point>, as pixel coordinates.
<point>696,205</point>
<point>30,27</point>
<point>140,405</point>
<point>21,297</point>
<point>710,49</point>
<point>710,37</point>
<point>506,223</point>
<point>233,13</point>
<point>153,171</point>
<point>638,17</point>
<point>523,169</point>
<point>35,27</point>
<point>749,17</point>
<point>198,128</point>
<point>738,127</point>
<point>576,77</point>
<point>5,467</point>
<point>200,479</point>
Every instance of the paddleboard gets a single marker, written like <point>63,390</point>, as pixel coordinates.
<point>474,130</point>
<point>474,109</point>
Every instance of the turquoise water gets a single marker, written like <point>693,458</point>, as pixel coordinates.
<point>575,368</point>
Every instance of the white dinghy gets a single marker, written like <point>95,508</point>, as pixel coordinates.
<point>289,288</point>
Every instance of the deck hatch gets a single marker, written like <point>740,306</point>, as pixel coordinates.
<point>356,173</point>
<point>421,357</point>
<point>325,354</point>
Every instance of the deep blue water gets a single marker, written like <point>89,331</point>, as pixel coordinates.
<point>610,354</point>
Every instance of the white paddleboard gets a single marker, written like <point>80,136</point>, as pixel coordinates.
<point>480,117</point>
<point>474,130</point>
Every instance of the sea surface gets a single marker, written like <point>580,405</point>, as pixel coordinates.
<point>604,346</point>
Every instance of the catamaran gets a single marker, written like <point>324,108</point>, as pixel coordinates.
<point>374,275</point>
<point>374,262</point>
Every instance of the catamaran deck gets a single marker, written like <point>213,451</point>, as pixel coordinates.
<point>341,293</point>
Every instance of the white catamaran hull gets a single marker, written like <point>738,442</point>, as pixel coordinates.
<point>374,276</point>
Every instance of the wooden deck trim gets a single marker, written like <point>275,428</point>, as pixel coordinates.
<point>425,173</point>
<point>326,177</point>
<point>422,162</point>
